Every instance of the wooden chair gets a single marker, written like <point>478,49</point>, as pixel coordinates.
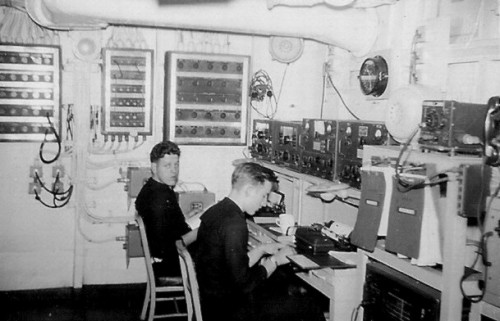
<point>172,292</point>
<point>190,282</point>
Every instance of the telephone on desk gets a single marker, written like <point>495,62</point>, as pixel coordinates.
<point>319,238</point>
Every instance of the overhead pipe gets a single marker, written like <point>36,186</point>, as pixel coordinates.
<point>349,28</point>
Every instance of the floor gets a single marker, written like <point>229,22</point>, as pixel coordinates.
<point>90,303</point>
<point>121,302</point>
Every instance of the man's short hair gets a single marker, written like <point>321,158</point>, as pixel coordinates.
<point>253,174</point>
<point>162,149</point>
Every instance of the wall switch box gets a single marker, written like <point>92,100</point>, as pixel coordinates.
<point>58,169</point>
<point>36,169</point>
<point>137,177</point>
<point>34,186</point>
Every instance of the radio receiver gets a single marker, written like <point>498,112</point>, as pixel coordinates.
<point>452,126</point>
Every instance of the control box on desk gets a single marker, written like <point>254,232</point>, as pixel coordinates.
<point>352,136</point>
<point>318,141</point>
<point>452,126</point>
<point>286,149</point>
<point>262,134</point>
<point>198,201</point>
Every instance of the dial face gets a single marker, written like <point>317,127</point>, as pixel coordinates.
<point>373,76</point>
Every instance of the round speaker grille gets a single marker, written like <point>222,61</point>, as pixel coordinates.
<point>286,49</point>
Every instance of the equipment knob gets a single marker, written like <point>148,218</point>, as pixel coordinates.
<point>470,140</point>
<point>348,131</point>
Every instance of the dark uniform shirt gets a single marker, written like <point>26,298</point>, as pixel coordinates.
<point>221,260</point>
<point>231,290</point>
<point>157,205</point>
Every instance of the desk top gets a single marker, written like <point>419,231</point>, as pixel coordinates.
<point>304,257</point>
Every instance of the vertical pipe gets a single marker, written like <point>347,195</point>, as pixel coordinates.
<point>82,94</point>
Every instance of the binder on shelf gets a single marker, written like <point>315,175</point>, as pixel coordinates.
<point>373,207</point>
<point>413,224</point>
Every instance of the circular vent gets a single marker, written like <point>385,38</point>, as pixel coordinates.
<point>404,110</point>
<point>286,49</point>
<point>86,49</point>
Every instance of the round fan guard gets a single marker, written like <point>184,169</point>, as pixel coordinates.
<point>404,110</point>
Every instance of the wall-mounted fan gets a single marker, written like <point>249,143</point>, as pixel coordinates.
<point>404,110</point>
<point>286,49</point>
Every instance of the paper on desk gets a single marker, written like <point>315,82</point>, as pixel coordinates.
<point>276,229</point>
<point>303,262</point>
<point>345,257</point>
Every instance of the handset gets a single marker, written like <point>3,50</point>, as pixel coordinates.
<point>492,132</point>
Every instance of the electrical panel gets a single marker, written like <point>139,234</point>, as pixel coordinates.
<point>318,141</point>
<point>29,93</point>
<point>206,98</point>
<point>452,126</point>
<point>351,137</point>
<point>286,149</point>
<point>262,133</point>
<point>390,295</point>
<point>128,92</point>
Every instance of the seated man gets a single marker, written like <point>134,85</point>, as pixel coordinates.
<point>157,205</point>
<point>233,281</point>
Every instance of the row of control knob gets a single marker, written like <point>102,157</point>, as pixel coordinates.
<point>25,94</point>
<point>26,77</point>
<point>26,59</point>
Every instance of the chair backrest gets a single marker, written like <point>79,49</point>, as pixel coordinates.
<point>190,282</point>
<point>145,249</point>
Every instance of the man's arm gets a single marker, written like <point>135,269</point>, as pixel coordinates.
<point>255,254</point>
<point>190,237</point>
<point>244,277</point>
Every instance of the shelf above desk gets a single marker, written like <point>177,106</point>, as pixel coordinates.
<point>427,275</point>
<point>313,180</point>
